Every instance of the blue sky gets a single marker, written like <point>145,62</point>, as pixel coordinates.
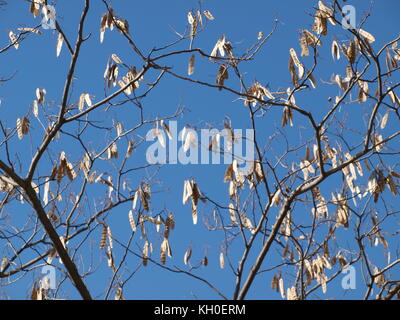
<point>151,25</point>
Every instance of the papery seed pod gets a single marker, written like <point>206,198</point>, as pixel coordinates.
<point>103,240</point>
<point>208,15</point>
<point>60,41</point>
<point>163,251</point>
<point>221,260</point>
<point>145,253</point>
<point>22,127</point>
<point>116,59</point>
<point>335,50</point>
<point>366,35</point>
<point>222,75</point>
<point>191,65</point>
<point>129,149</point>
<point>132,221</point>
<point>13,39</point>
<point>297,62</point>
<point>187,256</point>
<point>110,238</point>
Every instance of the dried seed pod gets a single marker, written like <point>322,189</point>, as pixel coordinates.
<point>13,39</point>
<point>60,41</point>
<point>163,251</point>
<point>129,149</point>
<point>110,238</point>
<point>366,35</point>
<point>116,59</point>
<point>103,240</point>
<point>335,50</point>
<point>208,15</point>
<point>22,127</point>
<point>222,75</point>
<point>112,151</point>
<point>297,62</point>
<point>221,260</point>
<point>145,253</point>
<point>132,221</point>
<point>351,53</point>
<point>187,256</point>
<point>304,47</point>
<point>191,65</point>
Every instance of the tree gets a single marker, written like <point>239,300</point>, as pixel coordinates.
<point>317,198</point>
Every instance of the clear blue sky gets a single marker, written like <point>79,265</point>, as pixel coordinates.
<point>151,24</point>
